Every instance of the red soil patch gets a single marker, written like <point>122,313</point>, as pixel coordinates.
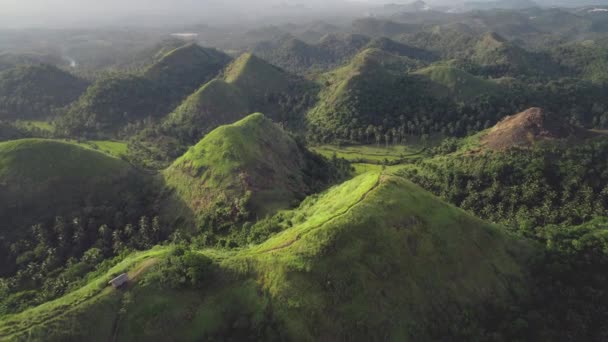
<point>529,127</point>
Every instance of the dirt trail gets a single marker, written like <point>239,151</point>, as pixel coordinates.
<point>365,195</point>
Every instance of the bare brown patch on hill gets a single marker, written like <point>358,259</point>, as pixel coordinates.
<point>529,127</point>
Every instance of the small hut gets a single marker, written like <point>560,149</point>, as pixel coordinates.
<point>119,281</point>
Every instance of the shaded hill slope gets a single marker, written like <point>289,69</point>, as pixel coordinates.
<point>42,179</point>
<point>35,91</point>
<point>248,85</point>
<point>458,83</point>
<point>183,70</point>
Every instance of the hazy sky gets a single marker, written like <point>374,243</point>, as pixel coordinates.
<point>19,13</point>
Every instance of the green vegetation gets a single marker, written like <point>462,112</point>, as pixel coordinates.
<point>249,85</point>
<point>243,171</point>
<point>302,272</point>
<point>388,192</point>
<point>74,179</point>
<point>35,92</point>
<point>181,71</point>
<point>109,104</point>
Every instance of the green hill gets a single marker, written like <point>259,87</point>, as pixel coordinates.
<point>11,60</point>
<point>42,179</point>
<point>374,89</point>
<point>248,85</point>
<point>373,258</point>
<point>501,57</point>
<point>35,91</point>
<point>332,51</point>
<point>112,102</point>
<point>251,167</point>
<point>256,76</point>
<point>458,83</point>
<point>183,70</point>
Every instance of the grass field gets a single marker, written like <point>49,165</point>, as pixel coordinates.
<point>371,154</point>
<point>44,126</point>
<point>113,148</point>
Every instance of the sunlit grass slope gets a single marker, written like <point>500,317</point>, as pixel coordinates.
<point>252,163</point>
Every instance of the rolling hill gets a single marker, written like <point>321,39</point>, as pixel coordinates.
<point>501,57</point>
<point>331,51</point>
<point>247,169</point>
<point>183,70</point>
<point>35,91</point>
<point>374,87</point>
<point>42,179</point>
<point>457,83</point>
<point>112,102</point>
<point>249,84</point>
<point>373,258</point>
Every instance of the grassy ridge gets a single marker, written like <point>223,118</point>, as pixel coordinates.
<point>249,165</point>
<point>375,252</point>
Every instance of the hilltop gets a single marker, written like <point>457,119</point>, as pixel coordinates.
<point>112,102</point>
<point>529,128</point>
<point>499,57</point>
<point>370,240</point>
<point>182,70</point>
<point>331,51</point>
<point>35,91</point>
<point>249,84</point>
<point>247,169</point>
<point>372,89</point>
<point>458,83</point>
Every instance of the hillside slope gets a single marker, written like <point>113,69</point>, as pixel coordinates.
<point>374,89</point>
<point>460,84</point>
<point>249,85</point>
<point>181,71</point>
<point>251,167</point>
<point>33,92</point>
<point>529,128</point>
<point>42,179</point>
<point>373,258</point>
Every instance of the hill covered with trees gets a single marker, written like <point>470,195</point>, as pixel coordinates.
<point>36,91</point>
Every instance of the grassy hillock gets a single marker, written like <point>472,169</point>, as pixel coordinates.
<point>181,71</point>
<point>373,258</point>
<point>499,57</point>
<point>112,102</point>
<point>247,169</point>
<point>374,89</point>
<point>458,83</point>
<point>35,91</point>
<point>42,179</point>
<point>249,84</point>
<point>117,100</point>
<point>332,51</point>
<point>256,76</point>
